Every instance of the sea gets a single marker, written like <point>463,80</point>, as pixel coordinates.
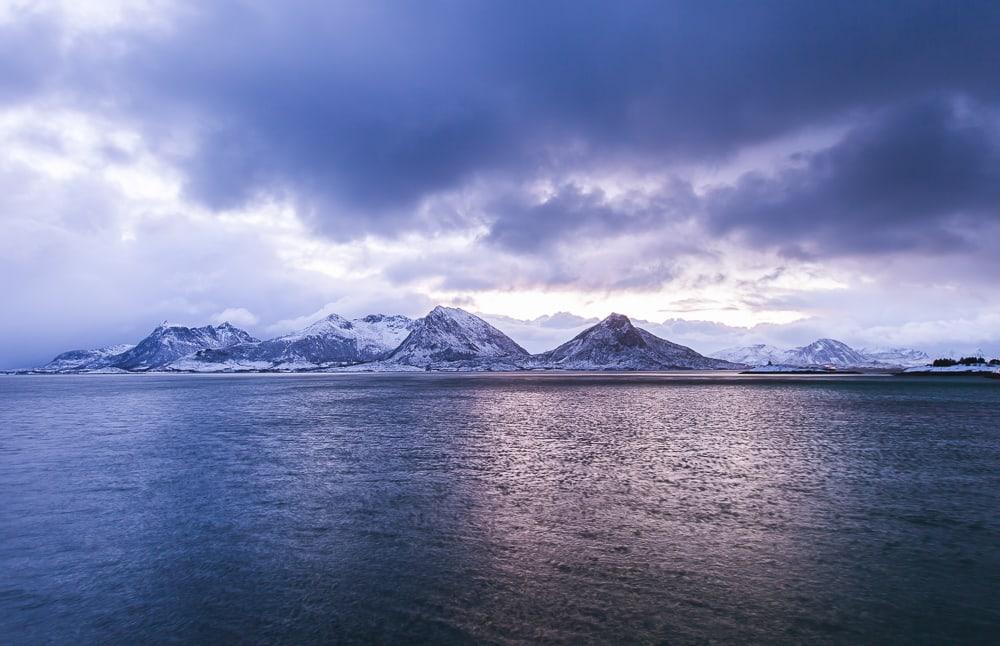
<point>693,508</point>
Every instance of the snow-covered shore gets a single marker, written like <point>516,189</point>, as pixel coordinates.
<point>978,369</point>
<point>781,369</point>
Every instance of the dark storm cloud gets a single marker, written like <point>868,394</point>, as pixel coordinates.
<point>923,177</point>
<point>358,111</point>
<point>525,224</point>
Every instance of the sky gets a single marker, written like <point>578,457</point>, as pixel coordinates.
<point>725,172</point>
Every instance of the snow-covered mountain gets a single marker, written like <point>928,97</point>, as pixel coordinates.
<point>167,343</point>
<point>824,352</point>
<point>751,355</point>
<point>446,339</point>
<point>904,357</point>
<point>331,340</point>
<point>80,360</point>
<point>450,336</point>
<point>616,344</point>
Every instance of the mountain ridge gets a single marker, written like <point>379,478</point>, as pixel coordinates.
<point>446,339</point>
<point>167,343</point>
<point>824,352</point>
<point>331,340</point>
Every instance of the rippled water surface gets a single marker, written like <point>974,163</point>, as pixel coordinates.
<point>496,508</point>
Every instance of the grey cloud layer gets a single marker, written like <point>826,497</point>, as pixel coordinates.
<point>360,111</point>
<point>521,223</point>
<point>923,178</point>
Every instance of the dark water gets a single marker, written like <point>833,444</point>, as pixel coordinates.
<point>502,509</point>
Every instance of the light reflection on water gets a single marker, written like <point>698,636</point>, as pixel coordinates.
<point>502,508</point>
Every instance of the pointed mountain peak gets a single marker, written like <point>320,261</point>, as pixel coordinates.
<point>616,344</point>
<point>334,318</point>
<point>616,320</point>
<point>449,334</point>
<point>449,312</point>
<point>455,316</point>
<point>322,326</point>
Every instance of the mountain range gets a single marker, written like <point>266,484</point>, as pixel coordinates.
<point>824,352</point>
<point>331,341</point>
<point>445,339</point>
